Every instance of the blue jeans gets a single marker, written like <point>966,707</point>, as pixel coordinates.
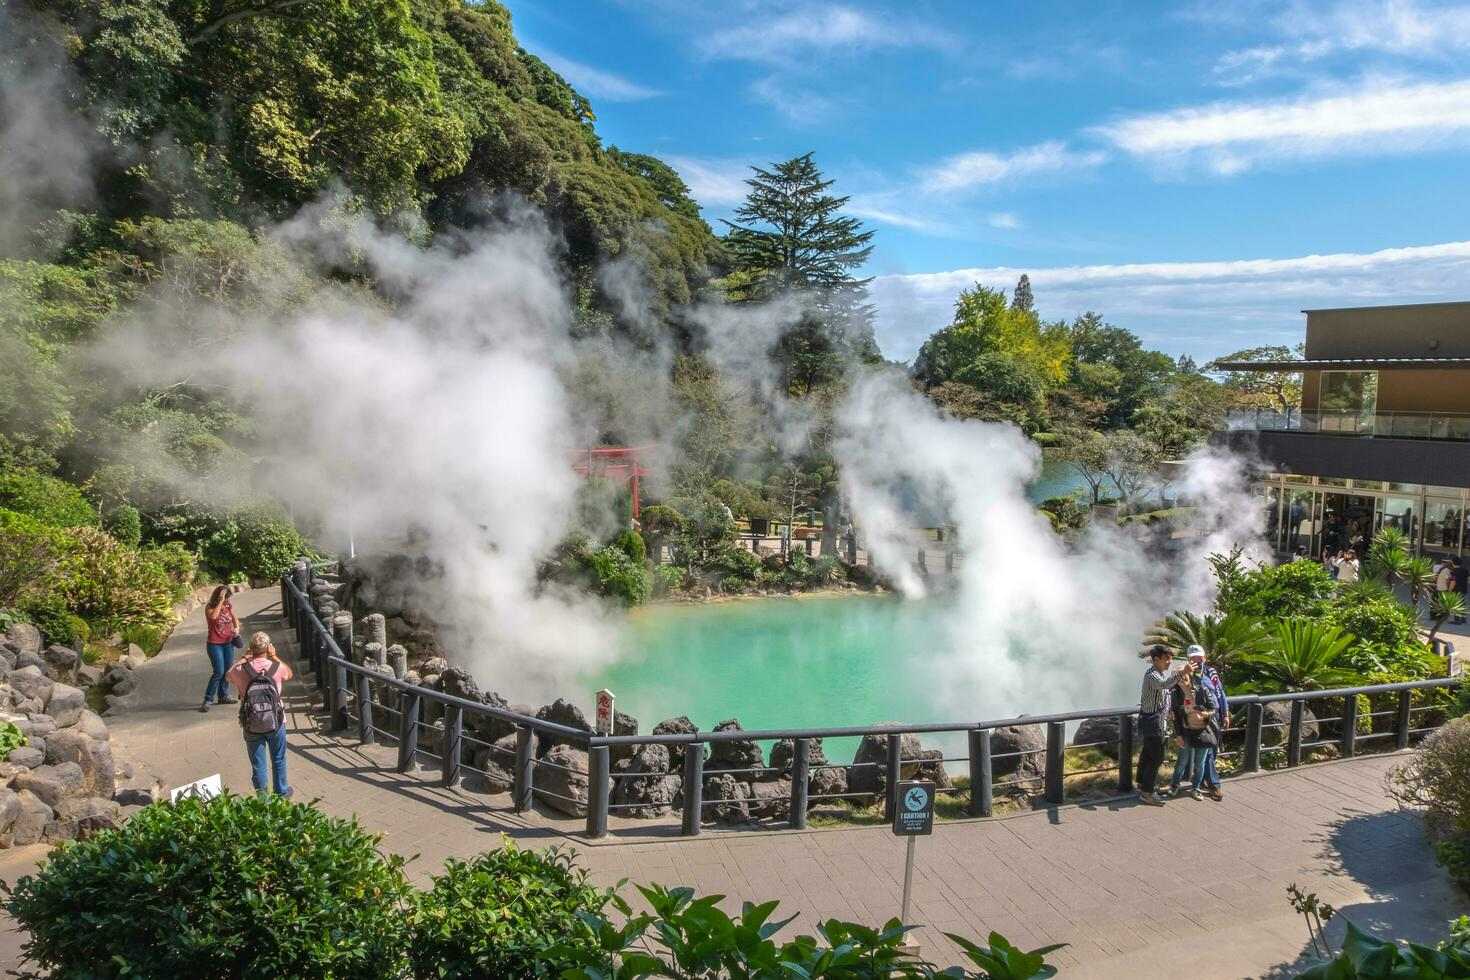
<point>257,746</point>
<point>1212,775</point>
<point>219,660</point>
<point>1191,763</point>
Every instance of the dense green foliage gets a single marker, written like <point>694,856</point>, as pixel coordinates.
<point>247,887</point>
<point>688,936</point>
<point>1365,958</point>
<point>10,738</point>
<point>45,498</point>
<point>260,542</point>
<point>237,886</point>
<point>508,914</point>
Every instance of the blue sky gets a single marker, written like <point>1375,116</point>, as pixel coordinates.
<point>1197,172</point>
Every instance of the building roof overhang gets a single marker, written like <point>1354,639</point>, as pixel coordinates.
<point>1344,364</point>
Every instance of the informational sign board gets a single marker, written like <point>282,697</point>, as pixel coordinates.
<point>203,789</point>
<point>914,814</point>
<point>604,723</point>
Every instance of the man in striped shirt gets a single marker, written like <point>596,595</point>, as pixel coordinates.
<point>1153,707</point>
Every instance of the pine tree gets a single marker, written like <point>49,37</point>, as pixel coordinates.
<point>790,235</point>
<point>1022,298</point>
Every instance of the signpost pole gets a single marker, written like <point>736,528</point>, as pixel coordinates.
<point>908,880</point>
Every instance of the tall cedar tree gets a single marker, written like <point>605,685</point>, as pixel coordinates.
<point>791,236</point>
<point>1022,299</point>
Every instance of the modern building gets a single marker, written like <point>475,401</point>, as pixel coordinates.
<point>1382,435</point>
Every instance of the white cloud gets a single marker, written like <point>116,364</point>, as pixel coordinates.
<point>597,83</point>
<point>875,210</point>
<point>712,182</point>
<point>814,27</point>
<point>1197,307</point>
<point>1376,116</point>
<point>966,170</point>
<point>1004,220</point>
<point>1311,32</point>
<point>793,99</point>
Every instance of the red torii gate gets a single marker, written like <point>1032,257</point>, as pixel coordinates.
<point>619,463</point>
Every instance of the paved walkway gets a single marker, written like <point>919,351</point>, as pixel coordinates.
<point>1130,888</point>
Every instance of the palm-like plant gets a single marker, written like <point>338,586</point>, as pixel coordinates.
<point>1418,575</point>
<point>1387,560</point>
<point>1224,638</point>
<point>1302,656</point>
<point>1443,605</point>
<point>1364,591</point>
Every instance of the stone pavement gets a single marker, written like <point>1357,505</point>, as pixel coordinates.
<point>1197,888</point>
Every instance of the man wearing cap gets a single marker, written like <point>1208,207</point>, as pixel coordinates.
<point>1153,707</point>
<point>1211,678</point>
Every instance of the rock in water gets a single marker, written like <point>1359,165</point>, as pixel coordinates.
<point>737,754</point>
<point>648,784</point>
<point>676,726</point>
<point>1006,742</point>
<point>559,712</point>
<point>1093,730</point>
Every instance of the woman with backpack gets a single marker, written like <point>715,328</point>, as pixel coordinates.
<point>257,677</point>
<point>1196,727</point>
<point>220,644</point>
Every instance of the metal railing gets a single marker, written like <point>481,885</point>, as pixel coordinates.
<point>1398,425</point>
<point>355,693</point>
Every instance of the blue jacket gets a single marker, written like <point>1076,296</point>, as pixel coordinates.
<point>1222,703</point>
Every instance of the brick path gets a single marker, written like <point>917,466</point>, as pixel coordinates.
<point>1194,888</point>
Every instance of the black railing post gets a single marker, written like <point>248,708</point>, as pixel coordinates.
<point>982,800</point>
<point>1349,725</point>
<point>1125,753</point>
<point>1255,717</point>
<point>365,710</point>
<point>800,767</point>
<point>1401,719</point>
<point>693,788</point>
<point>339,714</point>
<point>525,759</point>
<point>319,652</point>
<point>1056,744</point>
<point>408,729</point>
<point>453,742</point>
<point>598,788</point>
<point>285,600</point>
<point>1294,734</point>
<point>890,788</point>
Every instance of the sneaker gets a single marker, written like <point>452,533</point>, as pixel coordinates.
<point>1164,794</point>
<point>1195,794</point>
<point>204,708</point>
<point>1149,799</point>
<point>290,792</point>
<point>1216,795</point>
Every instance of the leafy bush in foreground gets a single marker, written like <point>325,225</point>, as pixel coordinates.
<point>501,915</point>
<point>1366,958</point>
<point>48,613</point>
<point>233,887</point>
<point>1437,777</point>
<point>47,499</point>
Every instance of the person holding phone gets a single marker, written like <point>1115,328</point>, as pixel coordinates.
<point>1195,715</point>
<point>220,644</point>
<point>1159,680</point>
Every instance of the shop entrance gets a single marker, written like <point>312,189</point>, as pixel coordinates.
<point>1347,522</point>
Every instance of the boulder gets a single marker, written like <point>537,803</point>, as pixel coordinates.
<point>1096,730</point>
<point>646,784</point>
<point>31,660</point>
<point>88,675</point>
<point>398,660</point>
<point>930,766</point>
<point>93,725</point>
<point>676,726</point>
<point>1279,713</point>
<point>118,704</point>
<point>559,712</point>
<point>784,751</point>
<point>1006,742</point>
<point>9,812</point>
<point>36,742</point>
<point>726,799</point>
<point>26,757</point>
<point>869,770</point>
<point>826,782</point>
<point>131,662</point>
<point>66,705</point>
<point>24,637</point>
<point>737,754</point>
<point>562,785</point>
<point>30,823</point>
<point>623,725</point>
<point>83,816</point>
<point>61,662</point>
<point>32,682</point>
<point>138,656</point>
<point>92,755</point>
<point>820,781</point>
<point>120,682</point>
<point>39,724</point>
<point>52,784</point>
<point>771,799</point>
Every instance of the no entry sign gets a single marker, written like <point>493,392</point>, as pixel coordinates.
<point>914,814</point>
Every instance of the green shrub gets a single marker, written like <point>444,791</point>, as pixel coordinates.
<point>735,565</point>
<point>149,638</point>
<point>631,544</point>
<point>1437,776</point>
<point>232,887</point>
<point>1454,855</point>
<point>259,542</point>
<point>618,575</point>
<point>112,585</point>
<point>666,578</point>
<point>1298,588</point>
<point>48,613</point>
<point>826,570</point>
<point>10,738</point>
<point>506,914</point>
<point>124,523</point>
<point>47,499</point>
<point>29,555</point>
<point>177,562</point>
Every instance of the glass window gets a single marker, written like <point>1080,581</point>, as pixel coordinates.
<point>1442,521</point>
<point>1401,513</point>
<point>1347,400</point>
<point>1299,525</point>
<point>1455,493</point>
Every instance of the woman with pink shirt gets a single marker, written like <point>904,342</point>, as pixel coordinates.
<point>257,677</point>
